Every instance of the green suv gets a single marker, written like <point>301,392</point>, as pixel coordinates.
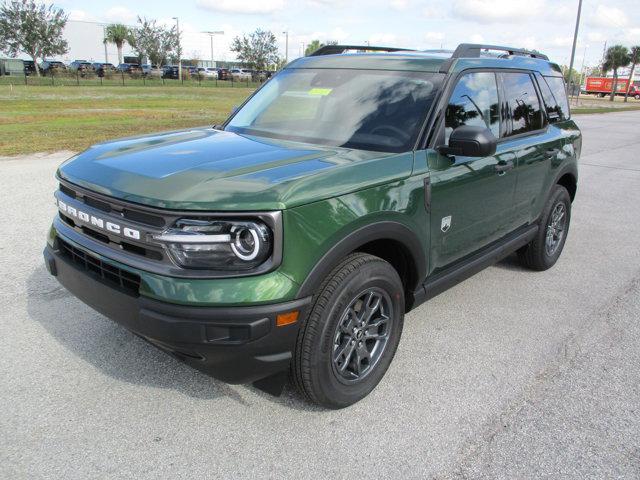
<point>346,191</point>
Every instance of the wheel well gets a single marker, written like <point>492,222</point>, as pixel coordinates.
<point>395,253</point>
<point>568,181</point>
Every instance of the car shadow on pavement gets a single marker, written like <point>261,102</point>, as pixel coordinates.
<point>123,355</point>
<point>511,263</point>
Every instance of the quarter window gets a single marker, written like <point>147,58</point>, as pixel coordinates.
<point>554,94</point>
<point>474,102</point>
<point>524,109</point>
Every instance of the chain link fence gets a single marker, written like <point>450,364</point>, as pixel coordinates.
<point>80,78</point>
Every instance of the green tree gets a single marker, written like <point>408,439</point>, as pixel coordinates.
<point>315,45</point>
<point>33,28</point>
<point>258,50</point>
<point>635,57</point>
<point>616,57</point>
<point>118,34</point>
<point>571,77</point>
<point>155,42</point>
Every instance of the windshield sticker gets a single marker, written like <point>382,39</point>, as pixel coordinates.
<point>320,91</point>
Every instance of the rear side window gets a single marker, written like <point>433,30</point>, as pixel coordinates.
<point>474,102</point>
<point>524,112</point>
<point>554,94</point>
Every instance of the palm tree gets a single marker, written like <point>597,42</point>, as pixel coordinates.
<point>615,58</point>
<point>117,33</point>
<point>635,56</point>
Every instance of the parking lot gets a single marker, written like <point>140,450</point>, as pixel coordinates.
<point>510,374</point>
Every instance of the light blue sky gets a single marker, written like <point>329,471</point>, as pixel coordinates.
<point>543,24</point>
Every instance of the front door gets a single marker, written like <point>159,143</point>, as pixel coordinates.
<point>472,199</point>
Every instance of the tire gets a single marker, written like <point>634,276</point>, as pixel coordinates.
<point>541,254</point>
<point>637,96</point>
<point>330,365</point>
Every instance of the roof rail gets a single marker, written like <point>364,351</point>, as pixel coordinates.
<point>474,50</point>
<point>336,49</point>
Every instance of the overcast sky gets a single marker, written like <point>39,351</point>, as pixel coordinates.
<point>546,25</point>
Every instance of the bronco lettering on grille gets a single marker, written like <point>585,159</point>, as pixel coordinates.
<point>94,221</point>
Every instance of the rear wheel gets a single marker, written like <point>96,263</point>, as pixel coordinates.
<point>350,337</point>
<point>545,249</point>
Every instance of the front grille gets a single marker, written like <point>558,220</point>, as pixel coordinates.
<point>109,207</point>
<point>128,283</point>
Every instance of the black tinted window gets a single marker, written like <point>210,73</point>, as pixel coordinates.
<point>524,107</point>
<point>474,102</point>
<point>554,94</point>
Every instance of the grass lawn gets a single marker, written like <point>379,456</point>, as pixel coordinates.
<point>39,119</point>
<point>51,118</point>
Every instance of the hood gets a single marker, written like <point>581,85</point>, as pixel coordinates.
<point>207,169</point>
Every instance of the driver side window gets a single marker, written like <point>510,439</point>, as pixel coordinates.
<point>474,102</point>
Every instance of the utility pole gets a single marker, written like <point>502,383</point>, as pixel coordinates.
<point>286,47</point>
<point>179,53</point>
<point>211,34</point>
<point>584,57</point>
<point>604,54</point>
<point>575,40</point>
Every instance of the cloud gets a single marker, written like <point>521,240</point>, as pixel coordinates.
<point>81,16</point>
<point>609,17</point>
<point>384,39</point>
<point>491,11</point>
<point>562,41</point>
<point>399,4</point>
<point>120,14</point>
<point>242,6</point>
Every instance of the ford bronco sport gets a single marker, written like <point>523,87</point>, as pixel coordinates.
<point>346,191</point>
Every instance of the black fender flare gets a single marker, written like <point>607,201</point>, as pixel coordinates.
<point>385,230</point>
<point>571,169</point>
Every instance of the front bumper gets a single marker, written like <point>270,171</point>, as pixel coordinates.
<point>233,344</point>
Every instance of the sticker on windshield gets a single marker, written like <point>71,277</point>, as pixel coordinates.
<point>320,91</point>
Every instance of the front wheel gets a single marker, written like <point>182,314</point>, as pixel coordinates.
<point>545,249</point>
<point>350,337</point>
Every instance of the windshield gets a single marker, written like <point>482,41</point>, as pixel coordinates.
<point>362,109</point>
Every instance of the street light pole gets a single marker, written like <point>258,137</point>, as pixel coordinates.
<point>211,34</point>
<point>179,53</point>
<point>286,48</point>
<point>575,40</point>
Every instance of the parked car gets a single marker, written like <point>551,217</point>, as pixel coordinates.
<point>130,68</point>
<point>103,69</point>
<point>223,74</point>
<point>207,72</point>
<point>171,72</point>
<point>50,67</point>
<point>241,74</point>
<point>151,70</point>
<point>82,67</point>
<point>253,255</point>
<point>29,67</point>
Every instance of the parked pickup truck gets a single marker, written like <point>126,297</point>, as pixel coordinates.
<point>292,239</point>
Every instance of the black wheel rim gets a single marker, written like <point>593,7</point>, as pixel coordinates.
<point>361,335</point>
<point>555,228</point>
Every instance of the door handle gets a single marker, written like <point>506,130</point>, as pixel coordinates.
<point>552,152</point>
<point>504,167</point>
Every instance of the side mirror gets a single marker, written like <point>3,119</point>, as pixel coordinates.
<point>469,141</point>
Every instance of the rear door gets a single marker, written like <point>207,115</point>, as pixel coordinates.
<point>534,144</point>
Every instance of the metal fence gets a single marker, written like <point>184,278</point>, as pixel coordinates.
<point>76,78</point>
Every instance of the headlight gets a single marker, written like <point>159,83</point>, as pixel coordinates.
<point>218,244</point>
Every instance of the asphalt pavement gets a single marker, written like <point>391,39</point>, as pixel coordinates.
<point>510,374</point>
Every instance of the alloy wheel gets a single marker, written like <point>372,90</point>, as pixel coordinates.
<point>361,335</point>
